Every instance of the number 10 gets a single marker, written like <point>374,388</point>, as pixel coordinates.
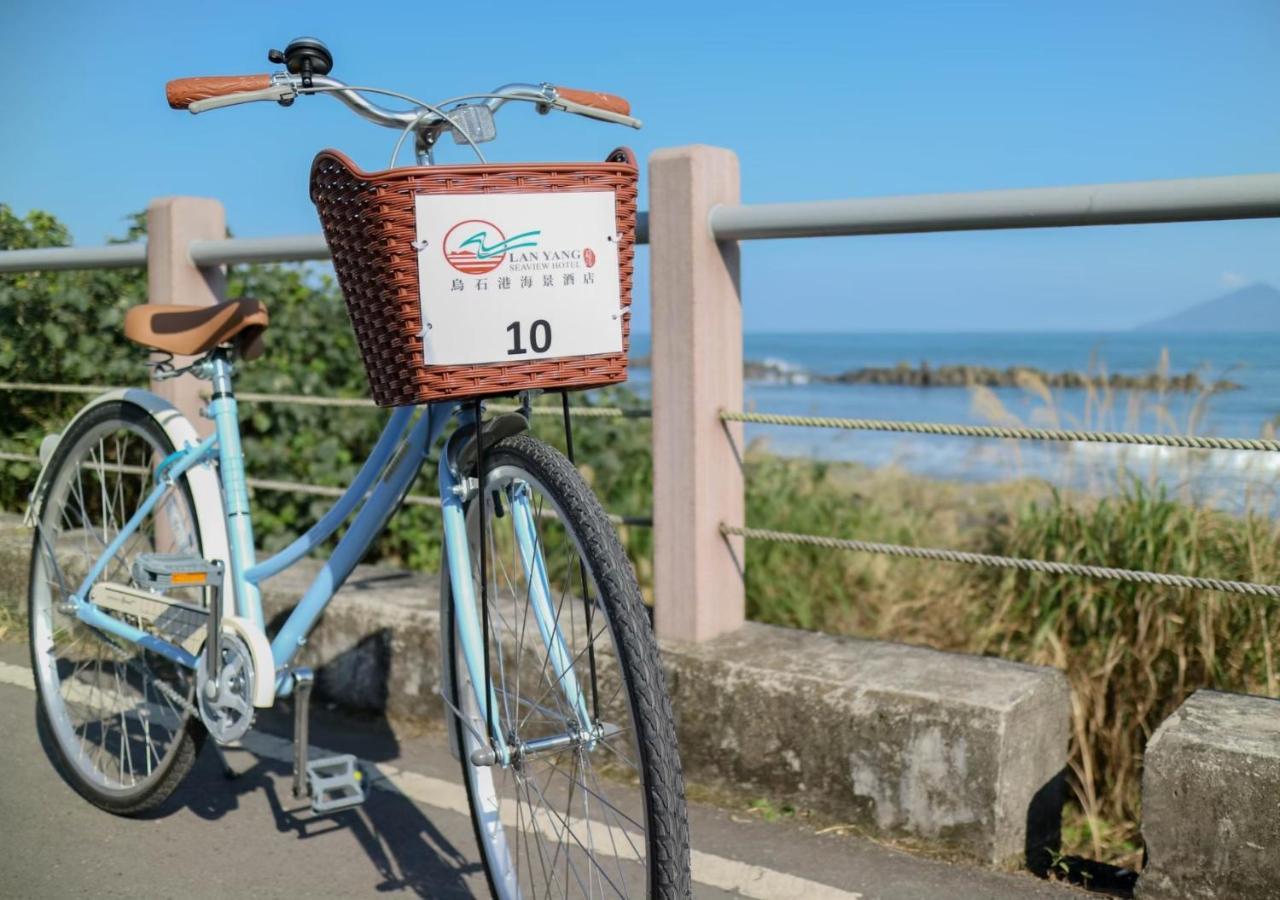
<point>539,337</point>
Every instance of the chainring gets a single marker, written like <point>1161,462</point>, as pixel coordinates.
<point>228,714</point>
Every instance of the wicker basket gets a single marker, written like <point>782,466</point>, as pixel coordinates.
<point>369,224</point>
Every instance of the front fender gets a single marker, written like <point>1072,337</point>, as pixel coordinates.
<point>203,478</point>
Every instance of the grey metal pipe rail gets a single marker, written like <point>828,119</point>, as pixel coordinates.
<point>54,259</point>
<point>235,251</point>
<point>1124,203</point>
<point>229,252</point>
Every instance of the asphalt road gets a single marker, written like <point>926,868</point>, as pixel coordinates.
<point>219,837</point>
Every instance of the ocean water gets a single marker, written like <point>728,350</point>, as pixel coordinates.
<point>1224,478</point>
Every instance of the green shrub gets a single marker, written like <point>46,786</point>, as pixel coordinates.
<point>66,328</point>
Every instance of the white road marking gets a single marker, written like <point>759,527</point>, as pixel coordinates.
<point>18,676</point>
<point>748,880</point>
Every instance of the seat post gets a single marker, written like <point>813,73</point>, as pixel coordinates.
<point>235,490</point>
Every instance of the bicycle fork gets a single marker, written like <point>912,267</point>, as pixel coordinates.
<point>504,749</point>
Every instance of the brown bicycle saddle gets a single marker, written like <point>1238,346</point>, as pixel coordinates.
<point>193,330</point>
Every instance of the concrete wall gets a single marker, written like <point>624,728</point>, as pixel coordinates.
<point>961,751</point>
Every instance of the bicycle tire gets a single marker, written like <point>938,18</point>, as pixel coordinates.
<point>611,575</point>
<point>187,734</point>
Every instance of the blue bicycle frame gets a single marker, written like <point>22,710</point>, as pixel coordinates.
<point>378,488</point>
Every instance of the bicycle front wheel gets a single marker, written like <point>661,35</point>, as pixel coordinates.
<point>596,812</point>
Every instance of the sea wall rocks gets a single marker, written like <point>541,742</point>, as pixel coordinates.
<point>924,376</point>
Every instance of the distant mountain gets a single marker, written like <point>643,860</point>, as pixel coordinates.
<point>1252,308</point>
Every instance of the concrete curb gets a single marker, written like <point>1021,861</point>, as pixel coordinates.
<point>1218,757</point>
<point>962,751</point>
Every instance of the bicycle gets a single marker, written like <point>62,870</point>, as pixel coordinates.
<point>147,633</point>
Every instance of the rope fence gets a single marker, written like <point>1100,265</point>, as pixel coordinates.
<point>297,487</point>
<point>1137,576</point>
<point>1188,441</point>
<point>1193,442</point>
<point>947,429</point>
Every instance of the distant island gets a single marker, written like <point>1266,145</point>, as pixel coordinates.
<point>1253,308</point>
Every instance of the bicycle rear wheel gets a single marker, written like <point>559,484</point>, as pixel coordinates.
<point>120,717</point>
<point>568,817</point>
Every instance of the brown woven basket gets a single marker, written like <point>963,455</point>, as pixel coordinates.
<point>369,224</point>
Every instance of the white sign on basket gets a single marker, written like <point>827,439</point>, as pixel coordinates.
<point>507,278</point>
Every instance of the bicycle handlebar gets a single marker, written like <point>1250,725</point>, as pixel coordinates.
<point>182,92</point>
<point>203,93</point>
<point>595,99</point>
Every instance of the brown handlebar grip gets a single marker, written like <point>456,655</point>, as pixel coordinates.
<point>182,92</point>
<point>608,102</point>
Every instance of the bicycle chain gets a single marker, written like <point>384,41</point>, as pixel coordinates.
<point>174,697</point>
<point>131,662</point>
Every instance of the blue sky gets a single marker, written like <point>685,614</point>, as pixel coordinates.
<point>818,100</point>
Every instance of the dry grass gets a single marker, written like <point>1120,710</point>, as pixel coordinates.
<point>13,627</point>
<point>1132,653</point>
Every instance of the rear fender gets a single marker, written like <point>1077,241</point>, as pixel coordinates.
<point>203,478</point>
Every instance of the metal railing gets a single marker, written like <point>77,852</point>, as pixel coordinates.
<point>1121,203</point>
<point>1143,202</point>
<point>225,252</point>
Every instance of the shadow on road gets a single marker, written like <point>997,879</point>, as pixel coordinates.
<point>407,851</point>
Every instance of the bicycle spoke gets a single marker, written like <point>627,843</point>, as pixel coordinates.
<point>536,830</point>
<point>553,814</point>
<point>597,794</point>
<point>558,835</point>
<point>553,681</point>
<point>126,750</point>
<point>618,753</point>
<point>615,812</point>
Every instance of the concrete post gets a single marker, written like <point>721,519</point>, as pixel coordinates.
<point>172,224</point>
<point>697,371</point>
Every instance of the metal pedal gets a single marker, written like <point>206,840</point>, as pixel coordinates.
<point>335,783</point>
<point>163,571</point>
